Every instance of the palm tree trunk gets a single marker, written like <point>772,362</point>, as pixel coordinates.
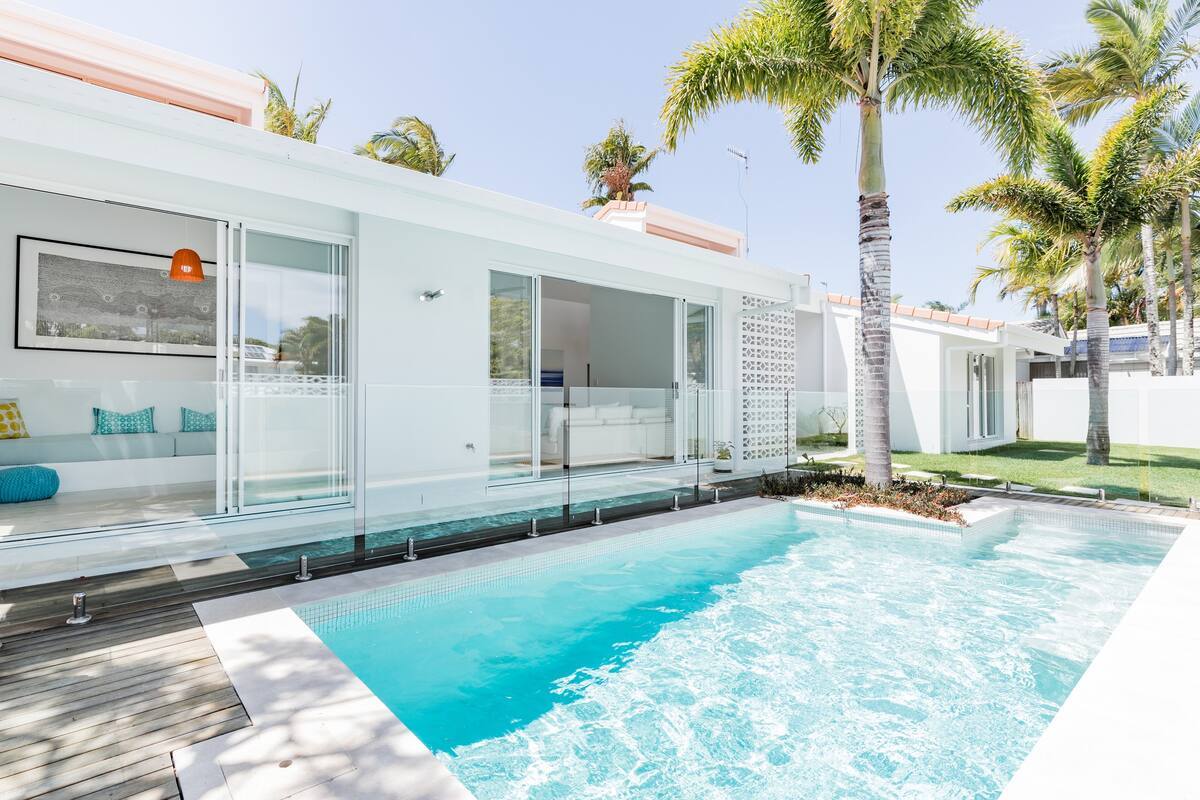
<point>1075,350</point>
<point>1150,288</point>
<point>1057,330</point>
<point>875,275</point>
<point>1097,357</point>
<point>1189,299</point>
<point>1172,315</point>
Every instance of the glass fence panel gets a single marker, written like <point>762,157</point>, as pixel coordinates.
<point>623,447</point>
<point>108,452</point>
<point>130,491</point>
<point>432,473</point>
<point>647,450</point>
<point>822,424</point>
<point>1171,440</point>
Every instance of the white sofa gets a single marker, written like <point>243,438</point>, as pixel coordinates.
<point>608,434</point>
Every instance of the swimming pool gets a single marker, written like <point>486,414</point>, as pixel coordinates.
<point>763,654</point>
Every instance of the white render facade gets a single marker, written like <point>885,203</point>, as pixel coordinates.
<point>410,402</point>
<point>473,355</point>
<point>953,377</point>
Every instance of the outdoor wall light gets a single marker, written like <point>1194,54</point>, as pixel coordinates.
<point>433,295</point>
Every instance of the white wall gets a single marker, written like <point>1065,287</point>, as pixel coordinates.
<point>955,396</point>
<point>424,366</point>
<point>810,352</point>
<point>632,340</point>
<point>1142,409</point>
<point>565,332</point>
<point>58,388</point>
<point>916,383</point>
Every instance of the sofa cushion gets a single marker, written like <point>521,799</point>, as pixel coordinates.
<point>84,447</point>
<point>195,443</point>
<point>586,423</point>
<point>12,424</point>
<point>583,412</point>
<point>192,421</point>
<point>623,421</point>
<point>653,412</point>
<point>654,420</point>
<point>614,412</point>
<point>107,423</point>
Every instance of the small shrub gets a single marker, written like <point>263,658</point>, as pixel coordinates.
<point>849,490</point>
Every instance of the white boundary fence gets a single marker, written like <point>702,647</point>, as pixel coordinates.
<point>1142,410</point>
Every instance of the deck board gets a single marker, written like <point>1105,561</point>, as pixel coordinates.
<point>93,713</point>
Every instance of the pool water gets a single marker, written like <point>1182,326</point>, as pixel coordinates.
<point>761,654</point>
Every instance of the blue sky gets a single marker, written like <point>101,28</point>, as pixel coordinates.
<point>518,89</point>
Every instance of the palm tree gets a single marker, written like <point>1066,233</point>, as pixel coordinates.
<point>611,165</point>
<point>1031,262</point>
<point>411,143</point>
<point>284,118</point>
<point>1182,132</point>
<point>1092,200</point>
<point>810,56</point>
<point>1140,46</point>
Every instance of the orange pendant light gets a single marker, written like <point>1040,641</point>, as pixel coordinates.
<point>185,266</point>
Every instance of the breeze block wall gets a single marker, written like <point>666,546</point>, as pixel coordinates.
<point>767,377</point>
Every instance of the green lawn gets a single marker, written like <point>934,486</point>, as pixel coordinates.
<point>1167,475</point>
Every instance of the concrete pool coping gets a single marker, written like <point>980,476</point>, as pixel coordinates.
<point>310,712</point>
<point>340,741</point>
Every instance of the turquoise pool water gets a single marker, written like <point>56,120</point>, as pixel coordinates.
<point>762,654</point>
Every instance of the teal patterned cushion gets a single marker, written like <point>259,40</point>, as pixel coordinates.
<point>107,422</point>
<point>191,421</point>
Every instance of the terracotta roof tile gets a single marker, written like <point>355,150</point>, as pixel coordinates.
<point>978,323</point>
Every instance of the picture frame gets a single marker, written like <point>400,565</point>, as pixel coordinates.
<point>88,298</point>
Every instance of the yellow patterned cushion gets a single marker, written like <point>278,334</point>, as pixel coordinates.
<point>12,426</point>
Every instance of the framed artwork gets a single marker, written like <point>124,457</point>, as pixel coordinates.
<point>104,300</point>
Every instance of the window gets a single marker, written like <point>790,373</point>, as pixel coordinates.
<point>510,325</point>
<point>982,396</point>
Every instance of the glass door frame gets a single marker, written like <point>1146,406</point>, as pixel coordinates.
<point>231,361</point>
<point>679,328</point>
<point>682,453</point>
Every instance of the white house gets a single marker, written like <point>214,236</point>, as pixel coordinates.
<point>368,345</point>
<point>227,343</point>
<point>953,376</point>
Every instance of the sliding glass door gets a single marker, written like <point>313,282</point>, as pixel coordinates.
<point>698,380</point>
<point>288,354</point>
<point>982,397</point>
<point>511,384</point>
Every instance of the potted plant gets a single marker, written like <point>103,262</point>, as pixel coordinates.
<point>724,456</point>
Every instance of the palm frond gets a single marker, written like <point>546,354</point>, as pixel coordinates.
<point>1116,166</point>
<point>1041,202</point>
<point>982,75</point>
<point>1063,161</point>
<point>780,52</point>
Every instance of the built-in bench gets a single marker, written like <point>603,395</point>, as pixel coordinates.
<point>76,447</point>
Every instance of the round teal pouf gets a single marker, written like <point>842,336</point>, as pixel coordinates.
<point>22,484</point>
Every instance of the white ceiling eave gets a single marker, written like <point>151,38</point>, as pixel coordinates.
<point>1021,336</point>
<point>47,110</point>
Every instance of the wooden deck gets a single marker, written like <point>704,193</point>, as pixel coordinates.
<point>95,712</point>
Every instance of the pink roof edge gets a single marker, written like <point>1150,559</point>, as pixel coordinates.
<point>901,310</point>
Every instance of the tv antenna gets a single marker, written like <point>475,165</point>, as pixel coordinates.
<point>744,157</point>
